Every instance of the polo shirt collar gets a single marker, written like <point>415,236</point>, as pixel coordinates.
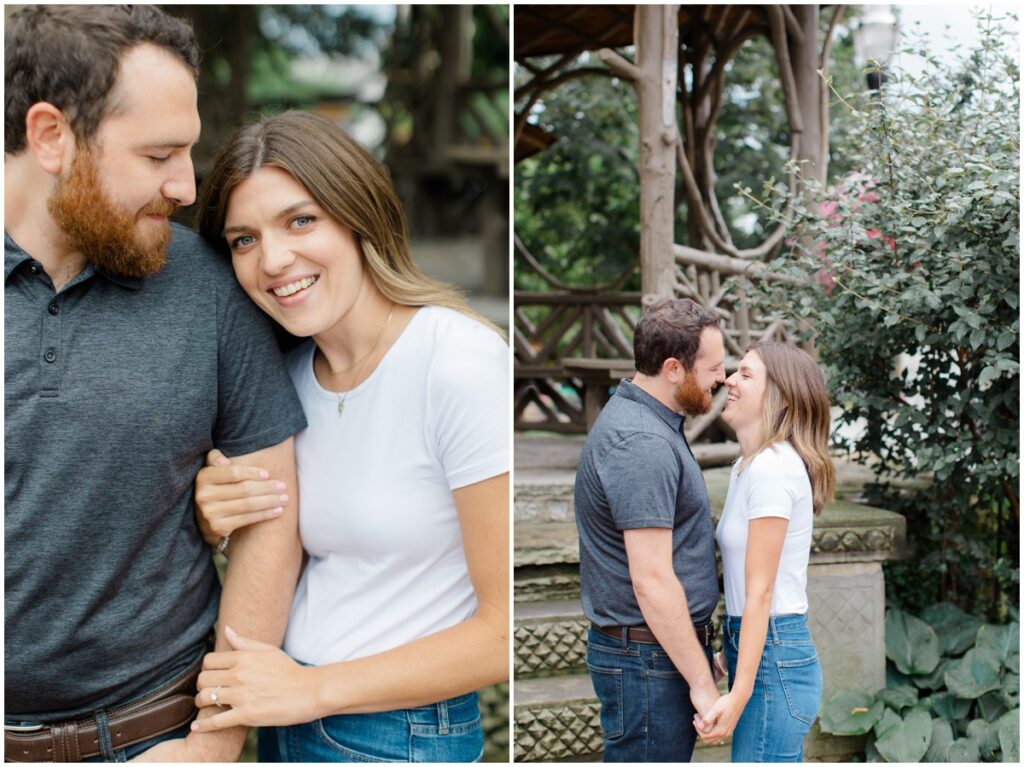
<point>630,390</point>
<point>14,256</point>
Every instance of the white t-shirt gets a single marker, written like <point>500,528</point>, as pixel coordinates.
<point>775,484</point>
<point>376,511</point>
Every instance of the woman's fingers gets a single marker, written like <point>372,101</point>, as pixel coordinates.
<point>216,458</point>
<point>208,492</point>
<point>224,696</point>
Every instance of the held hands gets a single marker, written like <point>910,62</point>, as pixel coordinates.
<point>257,685</point>
<point>231,496</point>
<point>718,723</point>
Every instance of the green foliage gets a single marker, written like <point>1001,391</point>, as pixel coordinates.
<point>910,643</point>
<point>976,719</point>
<point>577,202</point>
<point>914,309</point>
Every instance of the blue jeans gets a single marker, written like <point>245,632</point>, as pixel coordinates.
<point>646,712</point>
<point>786,696</point>
<point>449,731</point>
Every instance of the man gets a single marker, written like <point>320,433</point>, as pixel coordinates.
<point>129,352</point>
<point>648,578</point>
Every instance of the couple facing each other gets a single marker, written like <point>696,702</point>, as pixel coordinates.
<point>648,577</point>
<point>134,347</point>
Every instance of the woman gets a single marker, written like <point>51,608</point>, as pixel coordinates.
<point>401,612</point>
<point>778,406</point>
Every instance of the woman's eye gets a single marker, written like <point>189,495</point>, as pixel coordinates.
<point>241,242</point>
<point>301,222</point>
<point>158,158</point>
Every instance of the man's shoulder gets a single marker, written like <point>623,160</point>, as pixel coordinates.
<point>189,253</point>
<point>626,427</point>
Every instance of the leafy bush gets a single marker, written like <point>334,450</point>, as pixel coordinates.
<point>914,310</point>
<point>953,692</point>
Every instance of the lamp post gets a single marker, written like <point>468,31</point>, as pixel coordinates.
<point>874,40</point>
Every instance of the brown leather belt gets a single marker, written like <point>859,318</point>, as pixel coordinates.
<point>705,633</point>
<point>167,708</point>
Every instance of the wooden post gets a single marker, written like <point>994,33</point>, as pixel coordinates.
<point>656,33</point>
<point>806,59</point>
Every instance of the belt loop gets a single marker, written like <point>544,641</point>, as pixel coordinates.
<point>74,748</point>
<point>773,629</point>
<point>442,718</point>
<point>624,636</point>
<point>103,730</point>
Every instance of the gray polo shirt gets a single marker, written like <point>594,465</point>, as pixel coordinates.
<point>636,471</point>
<point>114,390</point>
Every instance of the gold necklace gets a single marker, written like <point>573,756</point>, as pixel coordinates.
<point>376,341</point>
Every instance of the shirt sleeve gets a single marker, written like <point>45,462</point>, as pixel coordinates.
<point>641,479</point>
<point>771,491</point>
<point>469,411</point>
<point>257,406</point>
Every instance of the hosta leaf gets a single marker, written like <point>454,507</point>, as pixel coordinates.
<point>974,674</point>
<point>942,739</point>
<point>985,735</point>
<point>1008,728</point>
<point>955,628</point>
<point>963,750</point>
<point>1010,694</point>
<point>910,643</point>
<point>1004,642</point>
<point>898,698</point>
<point>849,712</point>
<point>889,720</point>
<point>992,706</point>
<point>948,706</point>
<point>907,741</point>
<point>935,680</point>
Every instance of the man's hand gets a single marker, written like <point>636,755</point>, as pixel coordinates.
<point>720,721</point>
<point>703,698</point>
<point>197,747</point>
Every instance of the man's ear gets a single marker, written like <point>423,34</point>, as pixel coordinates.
<point>672,369</point>
<point>49,137</point>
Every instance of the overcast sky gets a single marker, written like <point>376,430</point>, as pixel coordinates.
<point>947,25</point>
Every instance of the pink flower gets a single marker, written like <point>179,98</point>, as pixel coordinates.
<point>826,281</point>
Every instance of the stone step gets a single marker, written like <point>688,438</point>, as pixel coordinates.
<point>559,720</point>
<point>550,638</point>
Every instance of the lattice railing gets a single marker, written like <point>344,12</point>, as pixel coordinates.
<point>553,326</point>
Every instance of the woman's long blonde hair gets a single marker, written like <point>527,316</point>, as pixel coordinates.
<point>347,182</point>
<point>796,410</point>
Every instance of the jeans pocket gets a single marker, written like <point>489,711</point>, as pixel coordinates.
<point>801,683</point>
<point>608,686</point>
<point>332,738</point>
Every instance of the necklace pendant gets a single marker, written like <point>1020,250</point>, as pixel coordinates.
<point>341,407</point>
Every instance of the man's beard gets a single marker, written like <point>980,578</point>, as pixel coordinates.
<point>691,398</point>
<point>106,235</point>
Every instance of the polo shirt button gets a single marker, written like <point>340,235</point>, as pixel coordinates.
<point>50,355</point>
<point>53,308</point>
<point>35,268</point>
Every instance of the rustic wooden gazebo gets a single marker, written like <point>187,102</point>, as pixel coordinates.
<point>571,341</point>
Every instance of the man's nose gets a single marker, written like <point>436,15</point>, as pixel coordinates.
<point>180,188</point>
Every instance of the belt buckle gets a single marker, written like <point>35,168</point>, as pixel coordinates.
<point>26,727</point>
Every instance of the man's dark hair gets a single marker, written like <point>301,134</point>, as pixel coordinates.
<point>68,55</point>
<point>670,329</point>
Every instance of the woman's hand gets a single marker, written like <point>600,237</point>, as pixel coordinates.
<point>229,497</point>
<point>257,685</point>
<point>721,719</point>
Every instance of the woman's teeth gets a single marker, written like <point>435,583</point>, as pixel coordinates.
<point>294,287</point>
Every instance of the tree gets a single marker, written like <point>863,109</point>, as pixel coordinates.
<point>915,313</point>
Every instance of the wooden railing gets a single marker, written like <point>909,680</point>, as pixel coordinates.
<point>573,344</point>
